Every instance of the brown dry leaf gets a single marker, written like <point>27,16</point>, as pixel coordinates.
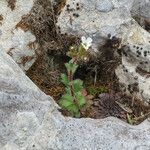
<point>124,107</point>
<point>89,97</point>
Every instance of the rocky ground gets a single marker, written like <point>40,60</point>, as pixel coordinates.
<point>30,119</point>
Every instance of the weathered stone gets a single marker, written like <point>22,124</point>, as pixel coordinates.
<point>104,5</point>
<point>21,110</point>
<point>29,120</point>
<point>89,21</point>
<point>15,39</point>
<point>141,8</point>
<point>134,73</point>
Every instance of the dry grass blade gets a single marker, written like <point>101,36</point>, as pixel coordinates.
<point>124,107</point>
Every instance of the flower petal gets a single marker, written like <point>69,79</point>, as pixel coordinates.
<point>89,40</point>
<point>83,39</point>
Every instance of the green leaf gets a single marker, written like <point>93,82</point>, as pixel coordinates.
<point>67,65</point>
<point>68,90</point>
<point>82,102</point>
<point>82,53</point>
<point>67,97</point>
<point>73,108</point>
<point>97,90</point>
<point>81,99</point>
<point>77,115</point>
<point>66,100</point>
<point>71,66</point>
<point>73,51</point>
<point>74,68</point>
<point>65,104</point>
<point>77,85</point>
<point>64,79</point>
<point>130,120</point>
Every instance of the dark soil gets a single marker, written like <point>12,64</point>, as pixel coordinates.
<point>45,72</point>
<point>110,103</point>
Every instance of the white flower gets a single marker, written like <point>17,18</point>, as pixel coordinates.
<point>85,58</point>
<point>71,47</point>
<point>86,42</point>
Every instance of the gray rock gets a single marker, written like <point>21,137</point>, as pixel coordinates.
<point>104,5</point>
<point>22,104</point>
<point>94,23</point>
<point>14,38</point>
<point>134,73</point>
<point>141,8</point>
<point>29,120</point>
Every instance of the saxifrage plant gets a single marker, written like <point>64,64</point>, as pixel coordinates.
<point>73,100</point>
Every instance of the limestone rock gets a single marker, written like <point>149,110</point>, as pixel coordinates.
<point>30,120</point>
<point>14,38</point>
<point>22,104</point>
<point>141,8</point>
<point>85,18</point>
<point>104,5</point>
<point>134,73</point>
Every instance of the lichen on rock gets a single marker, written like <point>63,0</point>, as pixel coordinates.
<point>16,41</point>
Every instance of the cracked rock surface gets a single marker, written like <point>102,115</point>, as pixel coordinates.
<point>17,42</point>
<point>29,120</point>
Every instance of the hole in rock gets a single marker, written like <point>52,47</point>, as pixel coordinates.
<point>103,95</point>
<point>100,82</point>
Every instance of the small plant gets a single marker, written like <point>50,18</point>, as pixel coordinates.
<point>96,90</point>
<point>130,119</point>
<point>73,100</point>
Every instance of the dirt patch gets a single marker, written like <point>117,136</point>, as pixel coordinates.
<point>98,74</point>
<point>107,99</point>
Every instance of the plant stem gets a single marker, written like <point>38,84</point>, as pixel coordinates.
<point>70,78</point>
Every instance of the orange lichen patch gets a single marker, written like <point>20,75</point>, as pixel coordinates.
<point>11,4</point>
<point>10,52</point>
<point>32,45</point>
<point>25,59</point>
<point>58,8</point>
<point>1,18</point>
<point>24,26</point>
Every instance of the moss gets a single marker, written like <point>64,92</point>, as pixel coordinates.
<point>96,90</point>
